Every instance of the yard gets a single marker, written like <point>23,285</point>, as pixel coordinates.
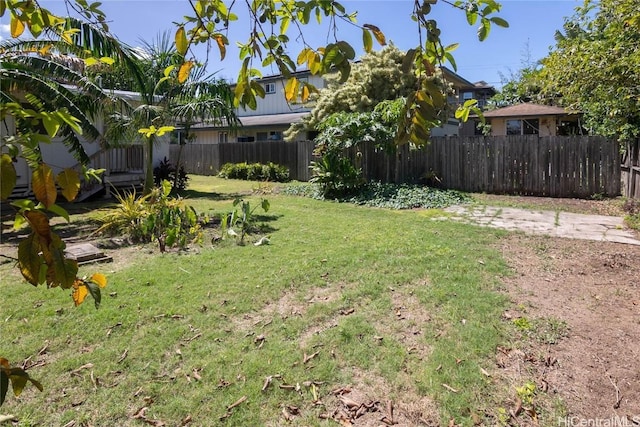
<point>350,316</point>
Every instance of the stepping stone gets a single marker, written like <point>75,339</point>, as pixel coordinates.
<point>86,253</point>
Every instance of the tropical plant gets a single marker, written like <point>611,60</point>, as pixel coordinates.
<point>154,217</point>
<point>242,219</point>
<point>335,175</point>
<point>167,171</point>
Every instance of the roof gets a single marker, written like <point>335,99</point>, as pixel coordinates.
<point>528,109</point>
<point>260,120</point>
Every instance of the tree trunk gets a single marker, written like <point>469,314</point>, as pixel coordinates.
<point>148,178</point>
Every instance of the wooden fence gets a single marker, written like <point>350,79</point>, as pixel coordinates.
<point>206,159</point>
<point>631,170</point>
<point>525,165</point>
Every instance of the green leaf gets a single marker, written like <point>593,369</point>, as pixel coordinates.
<point>484,29</point>
<point>94,291</point>
<point>50,123</point>
<point>60,211</point>
<point>499,22</point>
<point>29,259</point>
<point>265,205</point>
<point>367,40</point>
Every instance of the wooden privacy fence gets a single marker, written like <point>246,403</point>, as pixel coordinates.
<point>631,170</point>
<point>526,165</point>
<point>206,159</point>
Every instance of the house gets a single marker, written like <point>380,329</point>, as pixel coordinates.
<point>274,115</point>
<point>533,119</point>
<point>123,165</point>
<point>268,121</point>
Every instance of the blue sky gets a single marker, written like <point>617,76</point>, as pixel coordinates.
<point>532,26</point>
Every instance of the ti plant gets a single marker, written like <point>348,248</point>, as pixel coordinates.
<point>241,221</point>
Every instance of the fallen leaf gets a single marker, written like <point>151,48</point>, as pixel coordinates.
<point>236,403</point>
<point>448,387</point>
<point>306,358</point>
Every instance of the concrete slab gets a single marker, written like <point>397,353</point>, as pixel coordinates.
<point>551,223</point>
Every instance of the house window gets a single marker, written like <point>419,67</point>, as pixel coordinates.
<point>261,136</point>
<point>523,127</point>
<point>467,96</point>
<point>223,137</point>
<point>275,136</point>
<point>246,139</point>
<point>270,88</point>
<point>514,127</point>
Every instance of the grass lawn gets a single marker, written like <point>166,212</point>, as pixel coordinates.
<point>383,301</point>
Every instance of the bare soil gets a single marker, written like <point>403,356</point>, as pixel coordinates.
<point>584,352</point>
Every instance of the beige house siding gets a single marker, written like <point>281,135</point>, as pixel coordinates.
<point>547,125</point>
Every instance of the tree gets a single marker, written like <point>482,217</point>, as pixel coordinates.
<point>168,101</point>
<point>268,40</point>
<point>595,67</point>
<point>377,77</point>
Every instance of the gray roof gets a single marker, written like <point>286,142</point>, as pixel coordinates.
<point>284,119</point>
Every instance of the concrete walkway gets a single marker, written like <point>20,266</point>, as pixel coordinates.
<point>551,223</point>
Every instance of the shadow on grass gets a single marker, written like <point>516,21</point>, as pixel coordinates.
<point>194,194</point>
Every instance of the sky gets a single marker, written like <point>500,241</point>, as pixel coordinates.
<point>532,24</point>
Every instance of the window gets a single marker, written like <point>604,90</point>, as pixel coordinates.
<point>270,88</point>
<point>246,139</point>
<point>523,127</point>
<point>275,136</point>
<point>467,96</point>
<point>261,136</point>
<point>223,137</point>
<point>514,127</point>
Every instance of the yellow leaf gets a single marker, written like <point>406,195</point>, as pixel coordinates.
<point>305,93</point>
<point>291,89</point>
<point>80,292</point>
<point>185,69</point>
<point>379,35</point>
<point>39,223</point>
<point>99,279</point>
<point>181,41</point>
<point>221,41</point>
<point>17,26</point>
<point>7,176</point>
<point>69,182</point>
<point>44,186</point>
<point>107,60</point>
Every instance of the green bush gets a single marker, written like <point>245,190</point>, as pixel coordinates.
<point>336,176</point>
<point>154,217</point>
<point>255,172</point>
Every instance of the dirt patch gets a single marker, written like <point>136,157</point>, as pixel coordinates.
<point>367,402</point>
<point>591,291</point>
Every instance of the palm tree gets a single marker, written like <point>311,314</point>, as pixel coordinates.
<point>47,74</point>
<point>164,101</point>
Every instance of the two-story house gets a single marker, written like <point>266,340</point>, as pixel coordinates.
<point>274,115</point>
<point>268,121</point>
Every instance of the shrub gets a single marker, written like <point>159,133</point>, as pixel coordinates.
<point>255,172</point>
<point>166,171</point>
<point>336,175</point>
<point>154,217</point>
